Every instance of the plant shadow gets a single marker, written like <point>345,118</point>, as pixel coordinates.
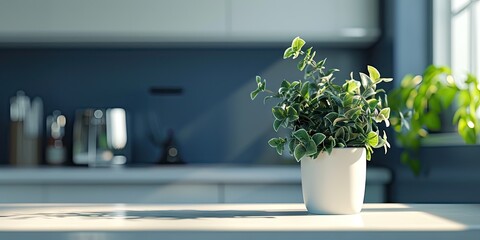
<point>159,214</point>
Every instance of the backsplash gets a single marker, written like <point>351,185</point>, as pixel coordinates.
<point>211,119</point>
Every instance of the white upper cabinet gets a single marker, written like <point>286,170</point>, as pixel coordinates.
<point>187,21</point>
<point>331,21</point>
<point>112,20</point>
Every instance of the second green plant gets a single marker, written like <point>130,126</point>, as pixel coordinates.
<point>419,103</point>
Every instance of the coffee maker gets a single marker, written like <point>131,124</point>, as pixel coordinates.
<point>100,137</point>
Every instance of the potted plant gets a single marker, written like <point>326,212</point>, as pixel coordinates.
<point>333,129</point>
<point>419,103</point>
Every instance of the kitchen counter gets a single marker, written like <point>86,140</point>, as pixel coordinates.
<point>166,184</point>
<point>168,174</point>
<point>236,221</point>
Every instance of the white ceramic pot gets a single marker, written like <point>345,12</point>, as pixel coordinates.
<point>335,183</point>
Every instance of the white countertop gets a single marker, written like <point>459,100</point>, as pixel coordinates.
<point>167,174</point>
<point>236,221</point>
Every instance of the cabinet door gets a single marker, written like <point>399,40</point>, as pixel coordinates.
<point>314,20</point>
<point>111,20</point>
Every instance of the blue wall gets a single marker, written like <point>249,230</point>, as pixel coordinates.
<point>214,120</point>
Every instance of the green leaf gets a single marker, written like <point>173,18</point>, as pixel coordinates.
<point>386,144</point>
<point>301,135</point>
<point>276,124</point>
<point>292,114</point>
<point>279,113</point>
<point>254,94</point>
<point>263,85</point>
<point>274,142</point>
<point>331,145</point>
<point>379,118</point>
<point>368,92</point>
<point>464,98</point>
<point>373,73</point>
<point>458,114</point>
<point>339,119</point>
<point>297,44</point>
<point>299,152</point>
<point>310,148</point>
<point>330,117</point>
<point>318,138</point>
<point>432,120</point>
<point>291,145</point>
<point>260,87</point>
<point>329,149</point>
<point>372,103</point>
<point>340,133</point>
<point>410,81</point>
<point>466,130</point>
<point>280,148</point>
<point>348,100</point>
<point>352,86</point>
<point>372,139</point>
<point>337,100</point>
<point>366,81</point>
<point>288,53</point>
<point>385,112</point>
<point>296,54</point>
<point>435,104</point>
<point>294,84</point>
<point>307,54</point>
<point>353,113</point>
<point>305,90</point>
<point>285,84</point>
<point>447,94</point>
<point>369,153</point>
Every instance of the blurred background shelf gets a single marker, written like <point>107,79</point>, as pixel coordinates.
<point>176,184</point>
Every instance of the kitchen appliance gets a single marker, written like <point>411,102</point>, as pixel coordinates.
<point>25,130</point>
<point>100,137</point>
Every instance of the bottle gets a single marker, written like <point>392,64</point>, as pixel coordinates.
<point>56,152</point>
<point>25,130</point>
